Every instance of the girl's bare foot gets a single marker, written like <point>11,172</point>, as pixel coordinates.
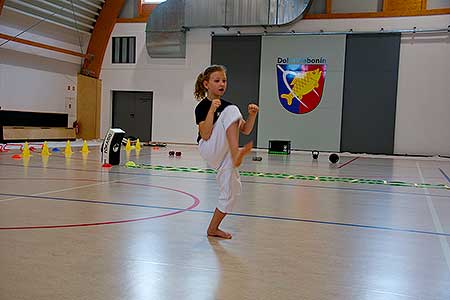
<point>219,233</point>
<point>237,161</point>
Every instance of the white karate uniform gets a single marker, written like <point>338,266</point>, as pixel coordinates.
<point>217,154</point>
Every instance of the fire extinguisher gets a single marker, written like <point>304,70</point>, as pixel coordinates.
<point>76,126</point>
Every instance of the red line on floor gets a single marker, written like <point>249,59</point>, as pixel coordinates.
<point>350,161</point>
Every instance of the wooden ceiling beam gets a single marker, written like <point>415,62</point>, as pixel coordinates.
<point>40,45</point>
<point>2,2</point>
<point>100,37</point>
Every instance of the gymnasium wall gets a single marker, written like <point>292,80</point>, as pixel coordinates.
<point>319,128</point>
<point>33,88</point>
<point>422,122</point>
<point>423,98</point>
<point>170,80</point>
<point>35,79</point>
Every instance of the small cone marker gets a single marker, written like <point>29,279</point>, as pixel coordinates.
<point>130,164</point>
<point>26,161</point>
<point>45,151</point>
<point>85,148</point>
<point>44,160</point>
<point>128,146</point>
<point>138,145</point>
<point>26,150</point>
<point>68,150</point>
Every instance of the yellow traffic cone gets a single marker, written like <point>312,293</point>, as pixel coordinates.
<point>44,160</point>
<point>138,145</point>
<point>85,148</point>
<point>45,151</point>
<point>26,150</point>
<point>68,150</point>
<point>25,161</point>
<point>128,146</point>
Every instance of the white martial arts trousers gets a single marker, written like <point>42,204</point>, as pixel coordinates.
<point>217,154</point>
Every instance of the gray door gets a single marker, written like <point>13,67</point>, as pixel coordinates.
<point>132,112</point>
<point>241,56</point>
<point>370,93</point>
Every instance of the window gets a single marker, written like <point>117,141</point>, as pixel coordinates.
<point>124,50</point>
<point>435,4</point>
<point>153,1</point>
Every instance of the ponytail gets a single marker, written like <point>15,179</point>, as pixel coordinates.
<point>200,90</point>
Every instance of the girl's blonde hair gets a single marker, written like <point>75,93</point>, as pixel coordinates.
<point>200,90</point>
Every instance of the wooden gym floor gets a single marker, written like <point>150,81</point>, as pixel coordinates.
<point>72,230</point>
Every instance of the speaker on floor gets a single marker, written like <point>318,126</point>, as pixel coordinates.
<point>111,146</point>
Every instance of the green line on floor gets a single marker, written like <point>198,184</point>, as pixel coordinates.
<point>132,164</point>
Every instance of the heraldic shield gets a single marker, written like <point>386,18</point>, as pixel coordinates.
<point>300,87</point>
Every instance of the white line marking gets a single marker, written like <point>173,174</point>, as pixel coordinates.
<point>437,223</point>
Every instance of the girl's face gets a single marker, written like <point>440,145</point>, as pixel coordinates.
<point>216,85</point>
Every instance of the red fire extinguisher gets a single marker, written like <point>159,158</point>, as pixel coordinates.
<point>76,126</point>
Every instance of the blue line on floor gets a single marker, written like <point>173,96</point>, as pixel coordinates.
<point>445,175</point>
<point>239,215</point>
<point>342,224</point>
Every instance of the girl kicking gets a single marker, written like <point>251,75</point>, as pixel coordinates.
<point>219,123</point>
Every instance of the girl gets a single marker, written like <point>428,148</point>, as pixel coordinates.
<point>219,123</point>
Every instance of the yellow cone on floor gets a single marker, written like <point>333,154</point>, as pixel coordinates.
<point>45,160</point>
<point>26,150</point>
<point>68,150</point>
<point>45,151</point>
<point>138,145</point>
<point>85,148</point>
<point>128,146</point>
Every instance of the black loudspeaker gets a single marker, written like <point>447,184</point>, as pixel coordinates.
<point>279,147</point>
<point>111,146</point>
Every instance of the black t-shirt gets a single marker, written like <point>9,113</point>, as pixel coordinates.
<point>201,111</point>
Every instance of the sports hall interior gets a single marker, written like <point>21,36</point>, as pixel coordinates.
<point>345,194</point>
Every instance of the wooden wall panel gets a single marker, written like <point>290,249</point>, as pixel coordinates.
<point>328,6</point>
<point>424,4</point>
<point>402,5</point>
<point>89,107</point>
<point>14,133</point>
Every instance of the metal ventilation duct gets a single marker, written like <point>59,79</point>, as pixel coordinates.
<point>166,26</point>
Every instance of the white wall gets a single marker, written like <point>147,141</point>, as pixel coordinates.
<point>423,104</point>
<point>35,79</point>
<point>170,80</point>
<point>432,4</point>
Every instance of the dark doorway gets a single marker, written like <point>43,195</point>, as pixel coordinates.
<point>370,93</point>
<point>241,56</point>
<point>132,112</point>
